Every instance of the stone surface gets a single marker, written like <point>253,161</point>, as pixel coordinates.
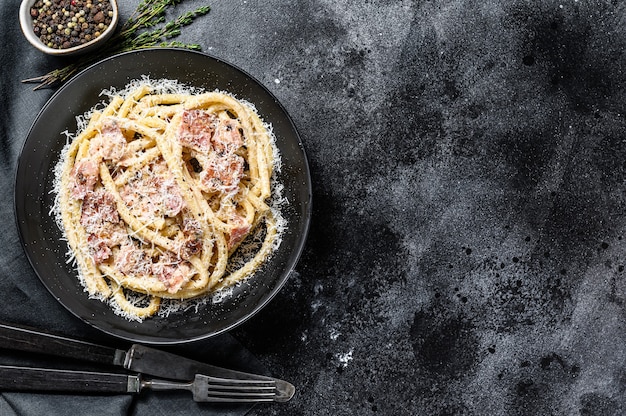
<point>466,254</point>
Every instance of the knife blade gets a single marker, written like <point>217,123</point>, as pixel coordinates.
<point>138,358</point>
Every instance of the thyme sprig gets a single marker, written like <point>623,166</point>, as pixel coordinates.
<point>145,28</point>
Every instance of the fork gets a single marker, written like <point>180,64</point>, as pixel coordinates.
<point>203,388</point>
<point>214,389</point>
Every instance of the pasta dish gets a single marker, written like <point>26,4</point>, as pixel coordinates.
<point>166,193</point>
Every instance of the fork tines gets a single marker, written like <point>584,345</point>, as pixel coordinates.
<point>231,390</point>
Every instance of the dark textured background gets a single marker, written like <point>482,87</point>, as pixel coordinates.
<point>466,255</point>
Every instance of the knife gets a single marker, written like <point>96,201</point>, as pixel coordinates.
<point>138,358</point>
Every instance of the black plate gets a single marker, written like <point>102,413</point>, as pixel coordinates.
<point>41,237</point>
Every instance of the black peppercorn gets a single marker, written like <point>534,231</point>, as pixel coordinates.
<point>70,22</point>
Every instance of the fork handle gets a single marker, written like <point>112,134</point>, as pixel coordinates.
<point>13,378</point>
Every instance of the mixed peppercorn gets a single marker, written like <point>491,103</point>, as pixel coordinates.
<point>63,24</point>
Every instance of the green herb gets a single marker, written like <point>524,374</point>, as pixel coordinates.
<point>145,28</point>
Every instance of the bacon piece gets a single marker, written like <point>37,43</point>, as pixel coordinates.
<point>98,211</point>
<point>196,130</point>
<point>237,235</point>
<point>172,271</point>
<point>227,137</point>
<point>110,144</point>
<point>98,248</point>
<point>153,192</point>
<point>102,224</point>
<point>84,177</point>
<point>131,260</point>
<point>173,202</point>
<point>222,173</point>
<point>192,242</point>
<point>240,229</point>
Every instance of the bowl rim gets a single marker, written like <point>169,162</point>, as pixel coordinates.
<point>27,30</point>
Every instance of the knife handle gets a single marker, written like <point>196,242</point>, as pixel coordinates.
<point>22,338</point>
<point>14,378</point>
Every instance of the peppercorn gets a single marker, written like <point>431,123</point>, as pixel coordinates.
<point>72,22</point>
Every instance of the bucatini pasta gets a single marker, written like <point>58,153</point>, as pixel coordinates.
<point>158,190</point>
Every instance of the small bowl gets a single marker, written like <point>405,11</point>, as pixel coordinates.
<point>26,22</point>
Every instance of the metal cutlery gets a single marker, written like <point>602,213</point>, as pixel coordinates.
<point>137,359</point>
